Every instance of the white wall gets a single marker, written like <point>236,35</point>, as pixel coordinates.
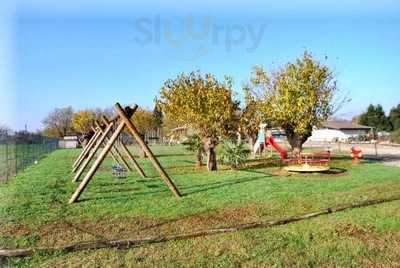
<point>68,144</point>
<point>355,133</point>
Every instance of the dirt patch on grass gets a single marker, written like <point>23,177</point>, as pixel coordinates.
<point>63,232</point>
<point>14,230</point>
<point>186,169</point>
<point>353,231</point>
<point>332,173</point>
<point>380,244</point>
<point>225,217</point>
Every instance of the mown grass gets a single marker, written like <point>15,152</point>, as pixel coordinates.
<point>34,212</point>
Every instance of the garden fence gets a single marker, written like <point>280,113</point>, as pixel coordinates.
<point>369,149</point>
<point>21,150</point>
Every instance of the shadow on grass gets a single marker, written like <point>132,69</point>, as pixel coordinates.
<point>127,181</point>
<point>367,159</point>
<point>217,185</point>
<point>192,189</point>
<point>251,170</point>
<point>335,171</point>
<point>121,197</point>
<point>119,190</point>
<point>171,155</point>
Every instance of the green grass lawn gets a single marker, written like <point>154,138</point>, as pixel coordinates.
<point>34,212</point>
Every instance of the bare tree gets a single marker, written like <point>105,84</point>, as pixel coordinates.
<point>98,112</point>
<point>58,122</point>
<point>4,130</point>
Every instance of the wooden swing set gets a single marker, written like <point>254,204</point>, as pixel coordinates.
<point>106,136</point>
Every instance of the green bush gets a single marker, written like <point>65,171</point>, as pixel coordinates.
<point>362,137</point>
<point>233,154</point>
<point>395,136</point>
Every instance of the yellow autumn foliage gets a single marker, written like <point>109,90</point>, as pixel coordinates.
<point>200,102</point>
<point>82,121</point>
<point>296,97</point>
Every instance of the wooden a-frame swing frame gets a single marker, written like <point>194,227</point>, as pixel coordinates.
<point>101,138</point>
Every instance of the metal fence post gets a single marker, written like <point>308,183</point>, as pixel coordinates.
<point>7,159</point>
<point>16,158</point>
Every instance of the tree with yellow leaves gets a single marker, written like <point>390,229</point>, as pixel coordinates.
<point>144,120</point>
<point>204,104</point>
<point>297,97</point>
<point>82,121</point>
<point>251,116</point>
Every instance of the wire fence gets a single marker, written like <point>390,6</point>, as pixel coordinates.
<point>21,150</point>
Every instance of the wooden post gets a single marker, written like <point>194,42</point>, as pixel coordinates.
<point>93,152</point>
<point>113,156</point>
<point>116,152</point>
<point>93,145</point>
<point>127,152</point>
<point>132,159</point>
<point>89,149</point>
<point>146,149</point>
<point>97,163</point>
<point>86,150</point>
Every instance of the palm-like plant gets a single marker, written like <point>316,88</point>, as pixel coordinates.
<point>234,154</point>
<point>195,144</point>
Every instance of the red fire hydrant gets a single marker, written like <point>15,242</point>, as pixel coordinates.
<point>356,153</point>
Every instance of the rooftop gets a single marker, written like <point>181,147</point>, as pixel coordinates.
<point>70,138</point>
<point>344,124</point>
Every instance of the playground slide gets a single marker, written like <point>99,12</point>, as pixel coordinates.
<point>272,142</point>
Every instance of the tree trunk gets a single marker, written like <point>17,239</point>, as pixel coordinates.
<point>239,137</point>
<point>212,160</point>
<point>209,145</point>
<point>296,141</point>
<point>252,139</point>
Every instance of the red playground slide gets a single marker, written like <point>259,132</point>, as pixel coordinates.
<point>270,140</point>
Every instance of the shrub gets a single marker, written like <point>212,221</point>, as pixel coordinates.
<point>233,154</point>
<point>362,137</point>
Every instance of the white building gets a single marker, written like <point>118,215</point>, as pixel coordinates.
<point>69,142</point>
<point>339,130</point>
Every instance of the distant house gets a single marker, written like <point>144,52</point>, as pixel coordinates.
<point>339,130</point>
<point>178,135</point>
<point>278,134</point>
<point>347,127</point>
<point>69,142</point>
